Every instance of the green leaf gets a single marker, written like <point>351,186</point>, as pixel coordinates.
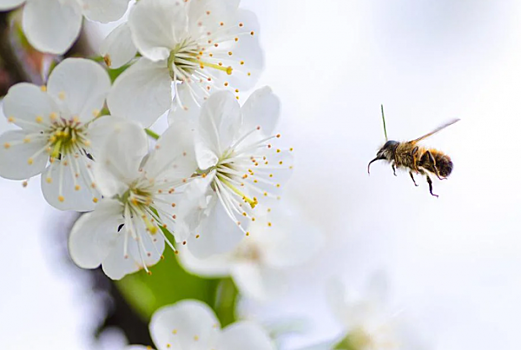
<point>170,283</point>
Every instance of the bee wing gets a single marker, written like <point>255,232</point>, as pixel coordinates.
<point>440,128</point>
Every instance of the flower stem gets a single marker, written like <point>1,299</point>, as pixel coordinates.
<point>152,134</point>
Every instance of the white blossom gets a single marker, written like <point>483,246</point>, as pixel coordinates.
<point>125,231</point>
<point>241,171</point>
<point>260,263</point>
<point>53,25</point>
<point>198,46</point>
<point>368,322</point>
<point>60,133</point>
<point>192,325</point>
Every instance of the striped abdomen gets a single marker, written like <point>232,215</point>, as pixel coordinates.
<point>443,163</point>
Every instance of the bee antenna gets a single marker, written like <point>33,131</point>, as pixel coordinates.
<point>383,119</point>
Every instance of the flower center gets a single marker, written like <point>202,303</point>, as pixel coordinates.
<point>137,203</point>
<point>229,174</point>
<point>185,62</point>
<point>66,137</point>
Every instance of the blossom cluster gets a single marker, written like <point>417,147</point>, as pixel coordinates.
<point>208,187</point>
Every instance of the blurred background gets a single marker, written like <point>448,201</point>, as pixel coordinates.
<point>452,262</point>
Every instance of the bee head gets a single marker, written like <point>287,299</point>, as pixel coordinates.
<point>388,150</point>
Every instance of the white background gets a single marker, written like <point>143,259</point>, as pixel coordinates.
<point>453,262</point>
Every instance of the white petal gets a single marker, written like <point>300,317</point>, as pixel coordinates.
<point>142,93</point>
<point>10,4</point>
<point>52,26</point>
<point>214,266</point>
<point>117,167</point>
<point>20,160</point>
<point>185,105</point>
<point>150,250</point>
<point>174,155</point>
<point>188,324</point>
<point>192,207</point>
<point>94,235</point>
<point>219,124</point>
<point>100,130</point>
<point>118,48</point>
<point>245,335</point>
<point>261,109</point>
<point>219,11</point>
<point>29,106</point>
<point>81,85</point>
<point>63,190</point>
<point>116,265</point>
<point>256,282</point>
<point>157,27</point>
<point>138,347</point>
<point>218,233</point>
<point>104,10</point>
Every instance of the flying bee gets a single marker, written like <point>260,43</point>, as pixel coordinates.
<point>415,158</point>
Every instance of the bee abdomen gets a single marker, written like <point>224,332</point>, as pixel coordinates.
<point>443,163</point>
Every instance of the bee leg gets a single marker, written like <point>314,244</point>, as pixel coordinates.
<point>429,181</point>
<point>394,169</point>
<point>412,177</point>
<point>431,158</point>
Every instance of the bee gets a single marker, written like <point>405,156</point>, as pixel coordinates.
<point>417,159</point>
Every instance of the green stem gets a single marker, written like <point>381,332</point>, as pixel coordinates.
<point>152,134</point>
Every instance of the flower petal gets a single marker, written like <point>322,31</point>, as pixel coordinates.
<point>29,107</point>
<point>188,324</point>
<point>10,4</point>
<point>117,167</point>
<point>94,235</point>
<point>118,48</point>
<point>245,335</point>
<point>142,93</point>
<point>261,109</point>
<point>219,123</point>
<point>217,233</point>
<point>52,26</point>
<point>185,105</point>
<point>116,265</point>
<point>258,282</point>
<point>21,160</point>
<point>192,207</point>
<point>104,11</point>
<point>66,184</point>
<point>157,27</point>
<point>100,130</point>
<point>174,155</point>
<point>81,85</point>
<point>213,266</point>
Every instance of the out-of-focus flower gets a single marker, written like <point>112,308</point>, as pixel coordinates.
<point>192,325</point>
<point>53,25</point>
<point>125,231</point>
<point>201,46</point>
<point>241,172</point>
<point>258,265</point>
<point>367,320</point>
<point>60,133</point>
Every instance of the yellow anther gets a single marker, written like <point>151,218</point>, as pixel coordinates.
<point>7,145</point>
<point>95,200</point>
<point>77,187</point>
<point>48,180</point>
<point>39,119</point>
<point>27,140</point>
<point>10,119</point>
<point>61,95</point>
<point>43,88</point>
<point>30,161</point>
<point>61,198</point>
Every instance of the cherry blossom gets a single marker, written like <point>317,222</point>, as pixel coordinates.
<point>192,325</point>
<point>241,172</point>
<point>60,134</point>
<point>53,25</point>
<point>198,46</point>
